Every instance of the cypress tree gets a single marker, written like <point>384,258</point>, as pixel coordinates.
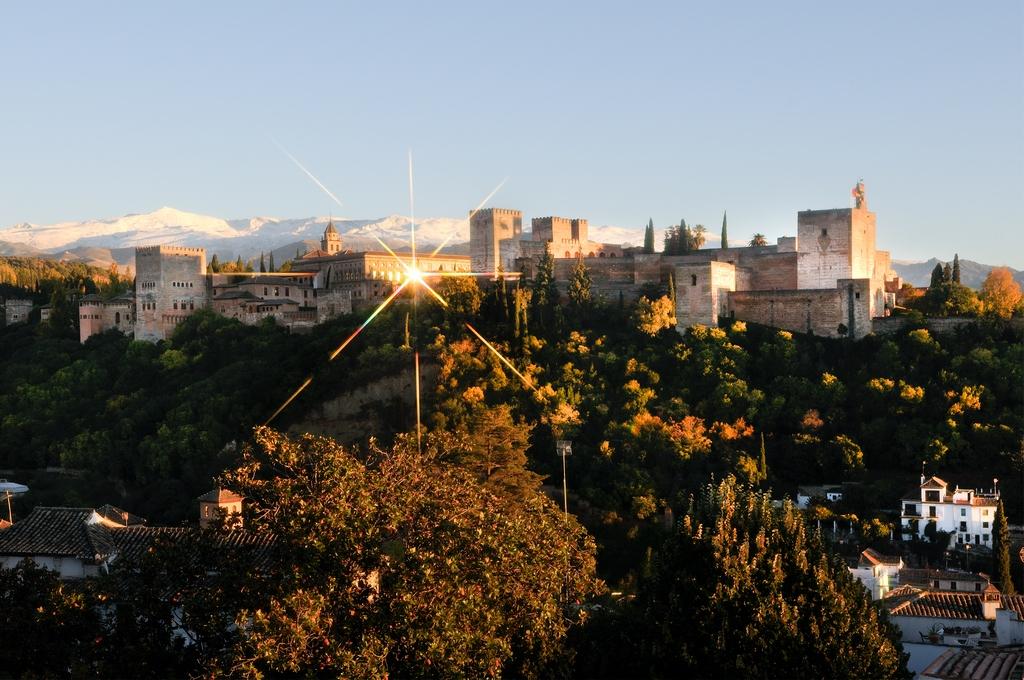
<point>725,230</point>
<point>649,238</point>
<point>263,265</point>
<point>956,268</point>
<point>272,261</point>
<point>215,264</point>
<point>685,238</point>
<point>579,285</point>
<point>936,281</point>
<point>1001,552</point>
<point>947,273</point>
<point>762,464</point>
<point>672,289</point>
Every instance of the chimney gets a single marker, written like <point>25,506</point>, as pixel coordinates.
<point>220,505</point>
<point>990,602</point>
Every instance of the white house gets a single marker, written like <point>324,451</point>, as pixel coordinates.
<point>879,573</point>
<point>966,514</point>
<point>957,619</point>
<point>829,492</point>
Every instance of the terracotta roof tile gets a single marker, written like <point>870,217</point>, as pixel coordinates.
<point>941,606</point>
<point>1014,603</point>
<point>975,664</point>
<point>871,557</point>
<point>58,532</point>
<point>220,496</point>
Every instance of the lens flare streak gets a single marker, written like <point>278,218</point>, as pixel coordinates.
<point>488,345</point>
<point>308,173</point>
<point>339,350</point>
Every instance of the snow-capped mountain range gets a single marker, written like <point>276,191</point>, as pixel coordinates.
<point>112,240</point>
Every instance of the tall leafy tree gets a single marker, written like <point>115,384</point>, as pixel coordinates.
<point>1001,552</point>
<point>649,237</point>
<point>1000,293</point>
<point>685,238</point>
<point>947,273</point>
<point>699,236</point>
<point>937,278</point>
<point>743,589</point>
<point>579,285</point>
<point>398,563</point>
<point>758,240</point>
<point>956,268</point>
<point>270,265</point>
<point>545,290</point>
<point>263,264</point>
<point>725,230</point>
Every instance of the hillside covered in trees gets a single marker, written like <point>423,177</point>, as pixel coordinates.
<point>653,416</point>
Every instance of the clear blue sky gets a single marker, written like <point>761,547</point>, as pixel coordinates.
<point>612,111</point>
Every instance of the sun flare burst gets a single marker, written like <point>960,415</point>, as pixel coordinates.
<point>414,280</point>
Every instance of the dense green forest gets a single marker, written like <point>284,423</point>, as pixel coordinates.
<point>652,415</point>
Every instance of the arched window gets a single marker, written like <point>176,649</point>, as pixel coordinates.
<point>601,254</point>
<point>567,255</point>
<point>612,255</point>
<point>590,254</point>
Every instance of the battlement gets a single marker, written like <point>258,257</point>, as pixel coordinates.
<point>496,211</point>
<point>830,212</point>
<point>169,250</point>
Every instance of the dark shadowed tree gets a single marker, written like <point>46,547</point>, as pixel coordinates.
<point>1001,552</point>
<point>758,240</point>
<point>725,230</point>
<point>956,268</point>
<point>579,286</point>
<point>743,589</point>
<point>649,237</point>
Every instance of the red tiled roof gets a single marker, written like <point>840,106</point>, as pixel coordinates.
<point>57,532</point>
<point>941,606</point>
<point>133,542</point>
<point>974,664</point>
<point>220,496</point>
<point>1014,603</point>
<point>925,577</point>
<point>871,557</point>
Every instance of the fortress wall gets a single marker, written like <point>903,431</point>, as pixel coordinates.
<point>771,271</point>
<point>824,247</point>
<point>702,292</point>
<point>802,311</point>
<point>821,312</point>
<point>602,270</point>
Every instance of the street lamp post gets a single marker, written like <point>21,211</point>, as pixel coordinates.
<point>564,449</point>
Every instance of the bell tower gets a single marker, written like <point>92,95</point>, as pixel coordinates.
<point>331,242</point>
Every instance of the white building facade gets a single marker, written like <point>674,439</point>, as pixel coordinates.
<point>968,515</point>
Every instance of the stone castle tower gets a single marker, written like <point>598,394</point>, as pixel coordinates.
<point>331,242</point>
<point>840,244</point>
<point>170,284</point>
<point>493,237</point>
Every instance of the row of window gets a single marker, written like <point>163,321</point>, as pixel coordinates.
<point>182,284</point>
<point>191,304</point>
<point>148,284</point>
<point>590,254</point>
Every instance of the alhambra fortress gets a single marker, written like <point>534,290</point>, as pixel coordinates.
<point>828,280</point>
